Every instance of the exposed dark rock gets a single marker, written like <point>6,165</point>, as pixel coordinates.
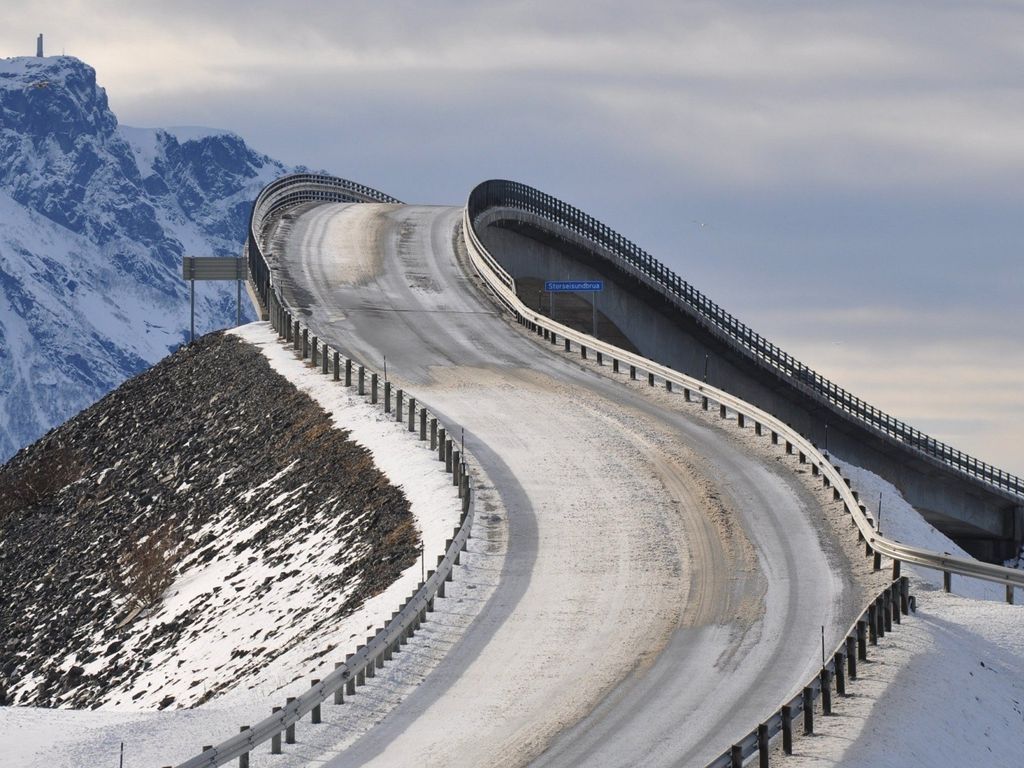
<point>157,475</point>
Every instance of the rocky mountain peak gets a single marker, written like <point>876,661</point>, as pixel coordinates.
<point>96,219</point>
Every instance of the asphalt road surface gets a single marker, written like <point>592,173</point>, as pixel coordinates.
<point>664,586</point>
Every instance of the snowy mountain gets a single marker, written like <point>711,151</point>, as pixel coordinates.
<point>94,221</point>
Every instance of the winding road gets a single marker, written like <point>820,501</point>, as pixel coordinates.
<point>664,585</point>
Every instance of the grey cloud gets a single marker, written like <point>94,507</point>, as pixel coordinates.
<point>845,156</point>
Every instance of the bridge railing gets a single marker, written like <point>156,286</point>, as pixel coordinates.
<point>500,193</point>
<point>289,191</point>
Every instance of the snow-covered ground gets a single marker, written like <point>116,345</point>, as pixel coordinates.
<point>41,737</point>
<point>946,688</point>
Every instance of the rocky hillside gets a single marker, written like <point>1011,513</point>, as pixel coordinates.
<point>183,531</point>
<point>96,218</point>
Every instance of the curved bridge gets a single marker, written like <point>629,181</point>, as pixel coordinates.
<point>659,572</point>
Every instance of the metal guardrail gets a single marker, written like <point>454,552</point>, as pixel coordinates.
<point>285,192</point>
<point>500,193</point>
<point>881,615</point>
<point>503,286</point>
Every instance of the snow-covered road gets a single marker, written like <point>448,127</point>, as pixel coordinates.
<point>663,587</point>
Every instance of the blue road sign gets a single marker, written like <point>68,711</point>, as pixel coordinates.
<point>570,286</point>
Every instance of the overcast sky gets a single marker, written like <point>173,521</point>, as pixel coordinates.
<point>858,168</point>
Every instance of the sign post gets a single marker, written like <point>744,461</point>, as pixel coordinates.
<point>212,268</point>
<point>575,286</point>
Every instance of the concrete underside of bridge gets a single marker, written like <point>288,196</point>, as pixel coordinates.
<point>984,521</point>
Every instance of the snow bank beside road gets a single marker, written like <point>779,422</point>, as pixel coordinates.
<point>901,522</point>
<point>408,465</point>
<point>947,686</point>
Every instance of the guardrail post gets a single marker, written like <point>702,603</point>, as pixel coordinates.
<point>315,714</point>
<point>704,402</point>
<point>880,616</point>
<point>398,404</point>
<point>826,692</point>
<point>433,434</point>
<point>455,467</point>
<point>894,602</point>
<point>808,701</point>
<point>350,684</point>
<point>876,563</point>
<point>423,424</point>
<point>789,448</point>
<point>802,458</point>
<point>362,380</point>
<point>339,695</point>
<point>387,397</point>
<point>296,337</point>
<point>650,379</point>
<point>947,581</point>
<point>787,729</point>
<point>313,348</point>
<point>762,745</point>
<point>904,595</point>
<point>440,444</point>
<point>872,624</point>
<point>289,731</point>
<point>324,361</point>
<point>632,372</point>
<point>837,662</point>
<point>348,372</point>
<point>600,358</point>
<point>686,394</point>
<point>337,366</point>
<point>1009,595</point>
<point>371,663</point>
<point>862,640</point>
<point>736,756</point>
<point>741,422</point>
<point>243,759</point>
<point>721,411</point>
<point>615,365</point>
<point>275,740</point>
<point>373,387</point>
<point>895,570</point>
<point>305,343</point>
<point>851,657</point>
<point>757,428</point>
<point>583,352</point>
<point>448,456</point>
<point>568,346</point>
<point>412,414</point>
